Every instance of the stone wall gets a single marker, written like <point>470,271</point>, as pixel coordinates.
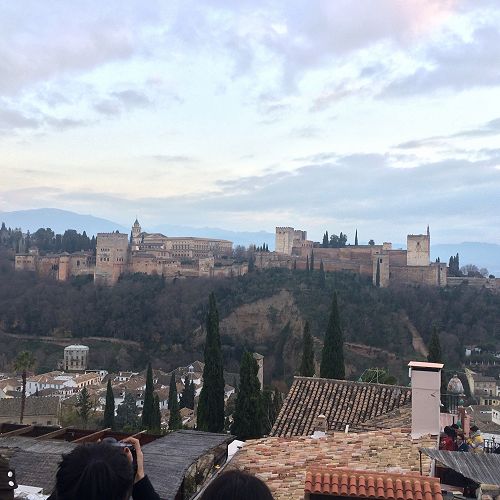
<point>418,250</point>
<point>111,257</point>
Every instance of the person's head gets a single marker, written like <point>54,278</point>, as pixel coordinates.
<point>96,471</point>
<point>449,431</point>
<point>237,485</point>
<point>474,429</point>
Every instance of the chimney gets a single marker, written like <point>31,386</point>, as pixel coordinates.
<point>425,398</point>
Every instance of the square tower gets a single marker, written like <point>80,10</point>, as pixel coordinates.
<point>418,249</point>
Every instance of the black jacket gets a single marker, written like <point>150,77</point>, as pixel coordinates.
<point>142,490</point>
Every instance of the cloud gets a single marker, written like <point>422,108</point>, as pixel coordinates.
<point>122,101</point>
<point>454,64</point>
<point>174,159</point>
<point>13,120</point>
<point>40,43</point>
<point>490,128</point>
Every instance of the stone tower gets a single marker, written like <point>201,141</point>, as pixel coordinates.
<point>111,257</point>
<point>418,248</point>
<point>135,235</point>
<point>284,240</point>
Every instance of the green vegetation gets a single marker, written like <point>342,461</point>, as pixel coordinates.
<point>127,418</point>
<point>24,362</point>
<point>164,318</point>
<point>175,420</point>
<point>435,355</point>
<point>211,404</point>
<point>187,396</point>
<point>109,409</point>
<point>332,360</point>
<point>148,408</point>
<point>248,415</point>
<point>84,406</point>
<point>307,364</point>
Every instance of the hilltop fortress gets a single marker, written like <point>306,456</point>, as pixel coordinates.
<point>148,253</point>
<point>381,262</point>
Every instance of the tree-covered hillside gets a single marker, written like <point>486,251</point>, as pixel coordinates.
<point>165,317</point>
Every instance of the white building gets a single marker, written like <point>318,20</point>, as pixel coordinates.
<point>76,357</point>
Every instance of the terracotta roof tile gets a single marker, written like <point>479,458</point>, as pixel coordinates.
<point>282,462</point>
<point>342,402</point>
<point>386,486</point>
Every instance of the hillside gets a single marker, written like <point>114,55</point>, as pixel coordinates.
<point>262,312</point>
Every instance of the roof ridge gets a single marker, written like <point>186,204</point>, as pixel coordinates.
<point>351,382</point>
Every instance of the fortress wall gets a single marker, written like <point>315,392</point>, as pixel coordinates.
<point>426,275</point>
<point>25,262</point>
<point>398,257</point>
<point>111,257</point>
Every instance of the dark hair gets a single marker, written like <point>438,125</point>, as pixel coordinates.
<point>95,471</point>
<point>450,431</point>
<point>474,428</point>
<point>237,485</point>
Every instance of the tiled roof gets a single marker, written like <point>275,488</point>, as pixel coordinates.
<point>398,418</point>
<point>35,406</point>
<point>363,484</point>
<point>282,462</point>
<point>342,402</point>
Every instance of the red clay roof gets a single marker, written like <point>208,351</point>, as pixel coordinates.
<point>366,484</point>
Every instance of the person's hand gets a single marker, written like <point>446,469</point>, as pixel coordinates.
<point>139,457</point>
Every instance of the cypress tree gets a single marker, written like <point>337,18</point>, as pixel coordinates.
<point>295,264</point>
<point>84,406</point>
<point>109,409</point>
<point>435,355</point>
<point>307,264</point>
<point>156,420</point>
<point>312,260</point>
<point>277,402</point>
<point>326,240</point>
<point>187,396</point>
<point>377,275</point>
<point>332,360</point>
<point>126,414</point>
<point>174,421</point>
<point>322,280</point>
<point>248,414</point>
<point>147,409</point>
<point>210,415</point>
<point>307,365</point>
<point>356,239</point>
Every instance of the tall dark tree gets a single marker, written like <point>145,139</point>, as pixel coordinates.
<point>84,406</point>
<point>356,239</point>
<point>24,362</point>
<point>126,415</point>
<point>295,264</point>
<point>210,415</point>
<point>277,402</point>
<point>248,414</point>
<point>187,396</point>
<point>435,354</point>
<point>109,409</point>
<point>174,421</point>
<point>377,274</point>
<point>312,260</point>
<point>332,360</point>
<point>307,264</point>
<point>326,240</point>
<point>156,420</point>
<point>147,409</point>
<point>307,364</point>
<point>321,275</point>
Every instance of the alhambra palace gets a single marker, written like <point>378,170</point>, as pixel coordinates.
<point>188,257</point>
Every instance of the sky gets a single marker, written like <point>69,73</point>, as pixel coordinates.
<point>376,115</point>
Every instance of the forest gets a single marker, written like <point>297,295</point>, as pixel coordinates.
<point>165,316</point>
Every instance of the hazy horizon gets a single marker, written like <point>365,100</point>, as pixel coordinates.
<point>378,116</point>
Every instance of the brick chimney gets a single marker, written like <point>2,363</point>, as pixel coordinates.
<point>425,398</point>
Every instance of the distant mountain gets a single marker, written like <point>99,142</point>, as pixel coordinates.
<point>59,221</point>
<point>244,238</point>
<point>481,254</point>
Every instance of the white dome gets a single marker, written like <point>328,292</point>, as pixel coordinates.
<point>455,385</point>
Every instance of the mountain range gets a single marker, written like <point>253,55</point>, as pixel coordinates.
<point>481,254</point>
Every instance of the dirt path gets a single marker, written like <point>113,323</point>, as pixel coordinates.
<point>368,351</point>
<point>417,340</point>
<point>67,341</point>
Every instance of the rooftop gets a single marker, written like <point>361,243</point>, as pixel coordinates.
<point>342,402</point>
<point>347,482</point>
<point>35,406</point>
<point>283,462</point>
